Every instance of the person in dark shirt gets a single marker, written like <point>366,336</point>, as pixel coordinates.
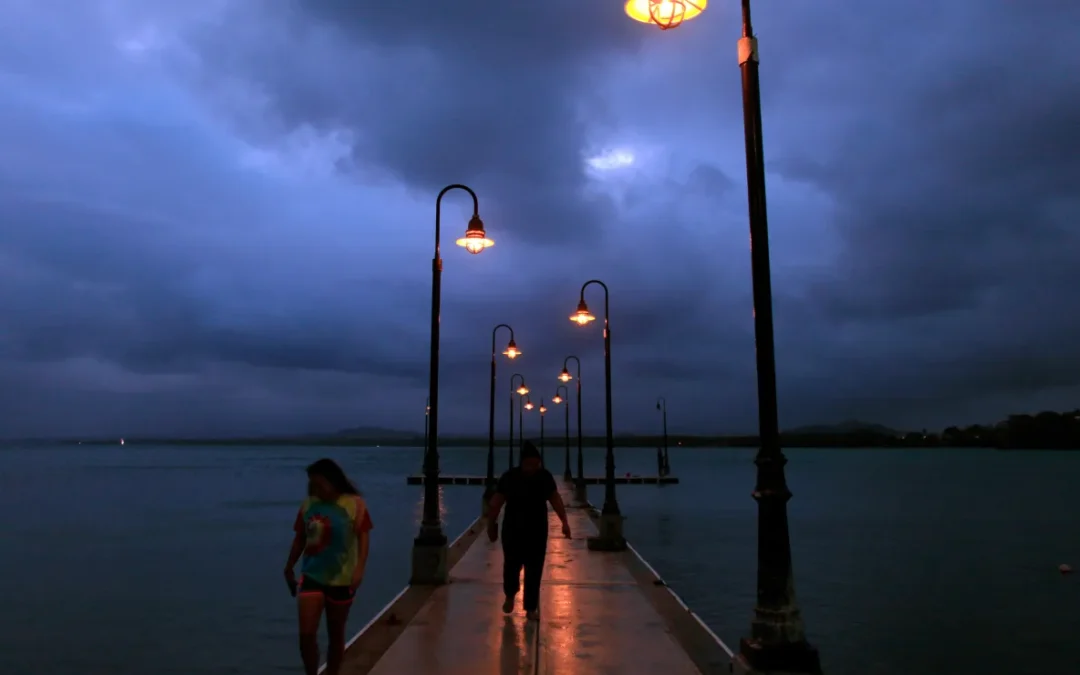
<point>526,491</point>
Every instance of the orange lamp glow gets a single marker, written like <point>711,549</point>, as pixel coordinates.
<point>565,375</point>
<point>522,390</point>
<point>665,13</point>
<point>529,405</point>
<point>556,399</point>
<point>543,410</point>
<point>475,239</point>
<point>582,316</point>
<point>512,351</point>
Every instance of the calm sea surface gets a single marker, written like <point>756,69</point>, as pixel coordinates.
<point>168,560</point>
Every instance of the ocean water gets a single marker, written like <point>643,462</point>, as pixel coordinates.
<point>125,560</point>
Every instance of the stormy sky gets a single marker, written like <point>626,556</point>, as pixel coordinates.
<point>216,217</point>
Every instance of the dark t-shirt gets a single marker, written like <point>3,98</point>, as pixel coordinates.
<point>526,501</point>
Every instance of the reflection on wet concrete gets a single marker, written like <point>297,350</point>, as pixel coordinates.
<point>594,620</point>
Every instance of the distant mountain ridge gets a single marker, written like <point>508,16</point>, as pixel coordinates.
<point>372,432</point>
<point>848,427</point>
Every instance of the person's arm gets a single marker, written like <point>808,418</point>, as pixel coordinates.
<point>296,550</point>
<point>560,511</point>
<point>560,508</point>
<point>495,505</point>
<point>363,541</point>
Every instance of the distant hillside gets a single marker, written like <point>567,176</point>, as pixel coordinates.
<point>373,432</point>
<point>849,427</point>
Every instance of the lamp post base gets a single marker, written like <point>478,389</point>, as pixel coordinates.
<point>611,536</point>
<point>567,476</point>
<point>755,658</point>
<point>485,500</point>
<point>581,495</point>
<point>429,560</point>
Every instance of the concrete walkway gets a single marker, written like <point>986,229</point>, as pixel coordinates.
<point>595,619</point>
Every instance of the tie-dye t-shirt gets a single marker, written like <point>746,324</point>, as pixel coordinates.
<point>331,529</point>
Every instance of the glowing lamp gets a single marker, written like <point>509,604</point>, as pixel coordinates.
<point>556,399</point>
<point>475,239</point>
<point>512,352</point>
<point>522,390</point>
<point>565,375</point>
<point>664,13</point>
<point>529,405</point>
<point>543,410</point>
<point>582,316</point>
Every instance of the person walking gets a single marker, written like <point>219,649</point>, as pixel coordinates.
<point>332,533</point>
<point>526,491</point>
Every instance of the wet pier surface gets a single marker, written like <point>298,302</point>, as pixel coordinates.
<point>597,616</point>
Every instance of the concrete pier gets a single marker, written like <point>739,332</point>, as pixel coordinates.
<point>600,613</point>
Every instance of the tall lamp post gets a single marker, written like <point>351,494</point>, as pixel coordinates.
<point>524,403</point>
<point>777,639</point>
<point>522,390</point>
<point>427,411</point>
<point>429,548</point>
<point>661,405</point>
<point>581,495</point>
<point>556,399</point>
<point>543,411</point>
<point>511,352</point>
<point>611,537</point>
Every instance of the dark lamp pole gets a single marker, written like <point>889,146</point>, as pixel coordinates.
<point>511,352</point>
<point>429,564</point>
<point>427,411</point>
<point>543,411</point>
<point>610,538</point>
<point>519,390</point>
<point>581,495</point>
<point>777,639</point>
<point>567,474</point>
<point>661,405</point>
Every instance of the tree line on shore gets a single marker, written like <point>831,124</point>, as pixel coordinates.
<point>1044,430</point>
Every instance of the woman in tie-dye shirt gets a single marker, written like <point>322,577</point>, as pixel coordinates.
<point>332,533</point>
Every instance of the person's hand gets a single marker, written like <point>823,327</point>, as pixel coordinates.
<point>566,529</point>
<point>493,531</point>
<point>290,580</point>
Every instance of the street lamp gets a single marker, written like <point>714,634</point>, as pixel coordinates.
<point>556,399</point>
<point>665,13</point>
<point>521,391</point>
<point>611,538</point>
<point>511,353</point>
<point>777,639</point>
<point>661,405</point>
<point>580,491</point>
<point>429,564</point>
<point>542,410</point>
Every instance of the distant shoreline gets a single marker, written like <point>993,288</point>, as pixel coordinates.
<point>830,441</point>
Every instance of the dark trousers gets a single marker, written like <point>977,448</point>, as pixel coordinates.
<point>527,552</point>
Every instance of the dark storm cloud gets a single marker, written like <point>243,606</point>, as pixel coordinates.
<point>953,178</point>
<point>217,218</point>
<point>480,93</point>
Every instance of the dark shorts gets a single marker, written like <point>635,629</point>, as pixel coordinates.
<point>339,594</point>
